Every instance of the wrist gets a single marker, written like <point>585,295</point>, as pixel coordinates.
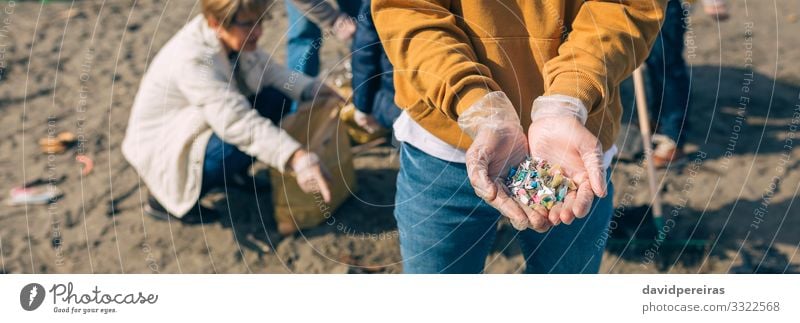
<point>294,157</point>
<point>302,159</point>
<point>559,106</point>
<point>493,111</point>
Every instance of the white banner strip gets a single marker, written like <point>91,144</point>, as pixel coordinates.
<point>397,298</point>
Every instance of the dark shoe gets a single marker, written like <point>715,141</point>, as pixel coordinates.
<point>197,215</point>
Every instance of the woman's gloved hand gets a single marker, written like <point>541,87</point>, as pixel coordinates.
<point>498,144</point>
<point>558,135</point>
<point>344,27</point>
<point>366,121</point>
<point>311,176</point>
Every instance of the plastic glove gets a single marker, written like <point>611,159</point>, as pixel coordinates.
<point>498,144</point>
<point>344,27</point>
<point>311,176</point>
<point>558,135</point>
<point>366,122</point>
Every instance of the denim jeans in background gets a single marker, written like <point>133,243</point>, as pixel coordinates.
<point>384,110</point>
<point>223,159</point>
<point>304,38</point>
<point>446,228</point>
<point>667,78</point>
<point>373,84</point>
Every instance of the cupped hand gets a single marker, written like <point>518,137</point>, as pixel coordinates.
<point>565,141</point>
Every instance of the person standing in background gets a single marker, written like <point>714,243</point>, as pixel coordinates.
<point>373,87</point>
<point>668,86</point>
<point>304,38</point>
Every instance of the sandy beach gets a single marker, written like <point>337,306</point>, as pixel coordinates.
<point>76,66</point>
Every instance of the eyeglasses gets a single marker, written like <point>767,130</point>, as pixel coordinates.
<point>247,24</point>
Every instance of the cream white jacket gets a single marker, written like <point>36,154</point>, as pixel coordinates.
<point>187,93</point>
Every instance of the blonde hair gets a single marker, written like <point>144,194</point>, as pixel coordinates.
<point>225,11</point>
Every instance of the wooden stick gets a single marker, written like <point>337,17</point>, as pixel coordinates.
<point>644,127</point>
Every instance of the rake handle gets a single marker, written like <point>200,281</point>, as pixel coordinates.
<point>644,126</point>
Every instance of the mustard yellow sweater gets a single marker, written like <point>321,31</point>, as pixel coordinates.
<point>449,53</point>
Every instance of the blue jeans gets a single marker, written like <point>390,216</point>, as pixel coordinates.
<point>446,228</point>
<point>384,110</point>
<point>223,159</point>
<point>668,77</point>
<point>304,38</point>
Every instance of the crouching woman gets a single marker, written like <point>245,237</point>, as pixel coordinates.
<point>208,106</point>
